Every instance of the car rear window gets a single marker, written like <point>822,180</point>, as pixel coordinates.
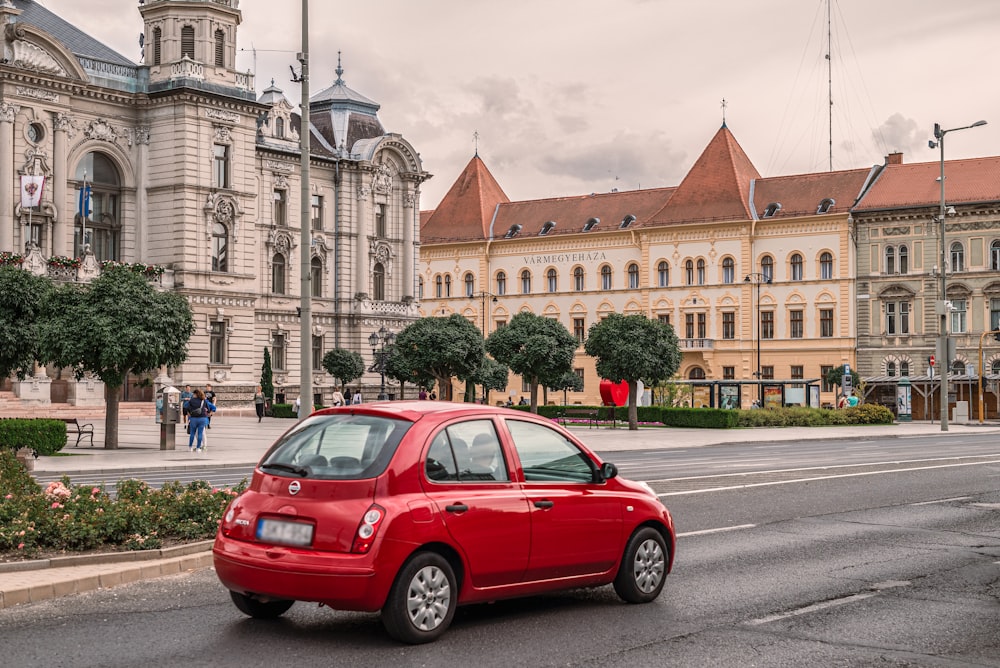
<point>336,447</point>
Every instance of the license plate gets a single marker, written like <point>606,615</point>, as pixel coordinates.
<point>287,533</point>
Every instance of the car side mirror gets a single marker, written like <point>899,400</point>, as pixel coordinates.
<point>608,471</point>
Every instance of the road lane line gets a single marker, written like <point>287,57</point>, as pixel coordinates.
<point>816,607</point>
<point>705,532</point>
<point>928,503</point>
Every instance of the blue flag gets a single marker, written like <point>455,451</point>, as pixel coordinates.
<point>84,205</point>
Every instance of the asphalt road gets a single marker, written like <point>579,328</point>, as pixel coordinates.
<point>866,566</point>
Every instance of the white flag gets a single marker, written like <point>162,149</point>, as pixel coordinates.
<point>31,190</point>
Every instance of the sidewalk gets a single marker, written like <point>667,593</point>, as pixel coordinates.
<point>238,440</point>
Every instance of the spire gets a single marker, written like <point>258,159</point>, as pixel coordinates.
<point>339,71</point>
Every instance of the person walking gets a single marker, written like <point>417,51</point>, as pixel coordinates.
<point>258,402</point>
<point>338,398</point>
<point>356,399</point>
<point>422,396</point>
<point>198,409</point>
<point>210,397</point>
<point>185,397</point>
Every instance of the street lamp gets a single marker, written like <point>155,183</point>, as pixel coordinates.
<point>378,341</point>
<point>756,278</point>
<point>483,296</point>
<point>942,305</point>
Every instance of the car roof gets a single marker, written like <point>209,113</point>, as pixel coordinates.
<point>414,410</point>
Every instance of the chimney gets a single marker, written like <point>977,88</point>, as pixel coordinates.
<point>894,158</point>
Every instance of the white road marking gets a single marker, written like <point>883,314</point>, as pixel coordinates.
<point>812,608</point>
<point>704,532</point>
<point>928,503</point>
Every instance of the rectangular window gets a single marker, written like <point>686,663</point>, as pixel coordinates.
<point>499,324</point>
<point>525,386</point>
<point>579,374</point>
<point>578,329</point>
<point>994,314</point>
<point>826,385</point>
<point>797,324</point>
<point>904,317</point>
<point>798,373</point>
<point>220,166</point>
<point>826,322</point>
<point>317,212</point>
<point>958,322</point>
<point>217,343</point>
<point>689,325</point>
<point>890,318</point>
<point>767,324</point>
<point>767,372</point>
<point>729,325</point>
<point>380,227</point>
<point>728,373</point>
<point>280,210</point>
<point>702,325</point>
<point>317,353</point>
<point>278,352</point>
<point>664,318</point>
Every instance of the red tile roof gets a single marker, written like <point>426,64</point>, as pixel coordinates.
<point>917,185</point>
<point>716,188</point>
<point>801,195</point>
<point>467,209</point>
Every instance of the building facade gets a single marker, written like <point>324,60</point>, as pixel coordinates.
<point>191,170</point>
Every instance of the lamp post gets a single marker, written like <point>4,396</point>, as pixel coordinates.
<point>378,341</point>
<point>942,305</point>
<point>483,296</point>
<point>756,278</point>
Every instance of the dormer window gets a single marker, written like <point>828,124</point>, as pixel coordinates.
<point>591,224</point>
<point>279,127</point>
<point>771,209</point>
<point>626,221</point>
<point>514,230</point>
<point>187,42</point>
<point>546,228</point>
<point>826,205</point>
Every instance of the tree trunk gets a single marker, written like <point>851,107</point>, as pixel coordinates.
<point>111,417</point>
<point>633,411</point>
<point>534,395</point>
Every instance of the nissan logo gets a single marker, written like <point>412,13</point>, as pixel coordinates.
<point>294,487</point>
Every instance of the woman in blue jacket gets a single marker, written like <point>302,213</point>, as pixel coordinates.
<point>198,409</point>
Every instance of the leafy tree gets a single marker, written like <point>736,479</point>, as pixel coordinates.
<point>836,375</point>
<point>22,300</point>
<point>568,382</point>
<point>114,326</point>
<point>633,348</point>
<point>491,375</point>
<point>344,365</point>
<point>538,349</point>
<point>397,369</point>
<point>267,376</point>
<point>442,348</point>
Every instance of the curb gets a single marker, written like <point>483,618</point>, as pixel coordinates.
<point>72,560</point>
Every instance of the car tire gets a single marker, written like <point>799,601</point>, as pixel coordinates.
<point>643,570</point>
<point>422,600</point>
<point>260,609</point>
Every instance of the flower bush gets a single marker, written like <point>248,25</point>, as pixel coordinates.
<point>66,517</point>
<point>136,267</point>
<point>63,262</point>
<point>8,258</point>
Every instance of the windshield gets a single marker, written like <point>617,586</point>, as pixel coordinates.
<point>336,447</point>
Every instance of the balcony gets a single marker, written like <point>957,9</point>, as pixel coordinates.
<point>697,344</point>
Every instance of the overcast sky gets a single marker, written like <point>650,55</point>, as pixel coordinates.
<point>580,96</point>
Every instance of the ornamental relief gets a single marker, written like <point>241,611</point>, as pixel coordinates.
<point>222,134</point>
<point>409,201</point>
<point>27,56</point>
<point>895,231</point>
<point>382,181</point>
<point>381,253</point>
<point>101,130</point>
<point>363,192</point>
<point>280,241</point>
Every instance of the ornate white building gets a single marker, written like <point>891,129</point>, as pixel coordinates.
<point>190,170</point>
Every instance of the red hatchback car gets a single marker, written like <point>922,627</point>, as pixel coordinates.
<point>413,508</point>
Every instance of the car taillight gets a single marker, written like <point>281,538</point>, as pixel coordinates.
<point>367,529</point>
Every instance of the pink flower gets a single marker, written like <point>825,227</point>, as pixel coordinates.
<point>96,490</point>
<point>56,504</point>
<point>9,496</point>
<point>20,546</point>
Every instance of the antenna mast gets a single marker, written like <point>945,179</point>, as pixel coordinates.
<point>829,78</point>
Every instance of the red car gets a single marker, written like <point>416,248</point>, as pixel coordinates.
<point>413,508</point>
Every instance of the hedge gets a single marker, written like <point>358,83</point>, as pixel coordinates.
<point>46,437</point>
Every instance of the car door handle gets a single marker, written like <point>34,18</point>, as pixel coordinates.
<point>456,508</point>
<point>544,504</point>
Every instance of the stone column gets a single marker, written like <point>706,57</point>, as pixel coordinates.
<point>7,113</point>
<point>361,242</point>
<point>142,200</point>
<point>409,249</point>
<point>62,228</point>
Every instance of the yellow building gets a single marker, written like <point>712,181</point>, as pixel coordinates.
<point>756,275</point>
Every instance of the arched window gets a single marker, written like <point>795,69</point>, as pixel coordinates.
<point>995,256</point>
<point>663,274</point>
<point>220,48</point>
<point>420,287</point>
<point>552,277</point>
<point>826,266</point>
<point>689,273</point>
<point>187,42</point>
<point>890,260</point>
<point>447,285</point>
<point>958,366</point>
<point>103,226</point>
<point>605,277</point>
<point>501,283</point>
<point>767,268</point>
<point>890,369</point>
<point>995,366</point>
<point>701,272</point>
<point>220,247</point>
<point>578,282</point>
<point>279,127</point>
<point>316,277</point>
<point>525,282</point>
<point>904,368</point>
<point>438,286</point>
<point>378,282</point>
<point>157,40</point>
<point>904,262</point>
<point>696,373</point>
<point>728,270</point>
<point>633,276</point>
<point>796,266</point>
<point>957,257</point>
<point>278,274</point>
<point>470,285</point>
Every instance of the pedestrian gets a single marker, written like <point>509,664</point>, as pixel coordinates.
<point>347,396</point>
<point>258,402</point>
<point>198,409</point>
<point>210,397</point>
<point>422,395</point>
<point>185,397</point>
<point>338,398</point>
<point>356,399</point>
<point>434,395</point>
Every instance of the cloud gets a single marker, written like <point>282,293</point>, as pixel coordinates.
<point>899,133</point>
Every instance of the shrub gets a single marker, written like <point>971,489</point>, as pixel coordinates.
<point>46,437</point>
<point>704,418</point>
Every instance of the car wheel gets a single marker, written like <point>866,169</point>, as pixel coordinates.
<point>422,601</point>
<point>260,609</point>
<point>644,567</point>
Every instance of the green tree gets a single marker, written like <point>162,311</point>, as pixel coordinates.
<point>441,348</point>
<point>114,326</point>
<point>491,375</point>
<point>568,382</point>
<point>267,376</point>
<point>633,348</point>
<point>344,365</point>
<point>536,348</point>
<point>396,368</point>
<point>22,300</point>
<point>835,376</point>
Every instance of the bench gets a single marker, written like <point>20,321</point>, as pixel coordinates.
<point>73,426</point>
<point>588,414</point>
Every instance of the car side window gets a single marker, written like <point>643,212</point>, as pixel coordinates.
<point>466,452</point>
<point>546,455</point>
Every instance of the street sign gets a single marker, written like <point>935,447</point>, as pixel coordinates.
<point>847,384</point>
<point>931,360</point>
<point>847,369</point>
